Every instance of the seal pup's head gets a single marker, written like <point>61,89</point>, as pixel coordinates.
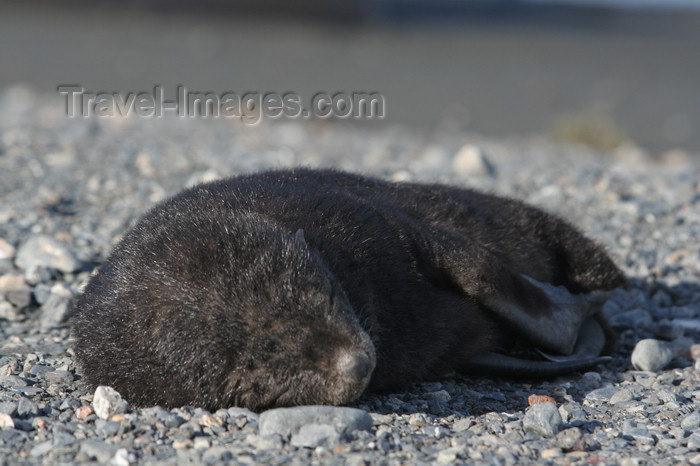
<point>215,308</point>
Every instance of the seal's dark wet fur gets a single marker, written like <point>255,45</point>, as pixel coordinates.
<point>311,287</point>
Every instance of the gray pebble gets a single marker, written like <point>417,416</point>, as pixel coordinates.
<point>621,396</point>
<point>601,394</point>
<point>691,422</point>
<point>41,449</point>
<point>639,433</point>
<point>6,422</point>
<point>7,251</point>
<point>8,407</point>
<point>543,419</point>
<point>592,379</point>
<point>45,251</point>
<point>287,421</point>
<point>15,290</point>
<point>314,435</point>
<point>27,408</point>
<point>694,441</point>
<point>98,450</point>
<point>265,442</point>
<point>570,439</point>
<point>60,377</point>
<point>107,402</point>
<point>57,308</point>
<point>651,355</point>
<point>470,160</point>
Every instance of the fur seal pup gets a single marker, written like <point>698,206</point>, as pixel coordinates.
<point>313,287</point>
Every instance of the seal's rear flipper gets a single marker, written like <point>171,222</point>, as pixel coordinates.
<point>589,344</point>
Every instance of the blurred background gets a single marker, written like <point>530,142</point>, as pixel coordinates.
<point>601,73</point>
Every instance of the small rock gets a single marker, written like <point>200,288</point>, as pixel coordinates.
<point>84,411</point>
<point>208,420</point>
<point>6,422</point>
<point>691,422</point>
<point>601,394</point>
<point>201,443</point>
<point>535,399</point>
<point>651,355</point>
<point>436,431</point>
<point>122,457</point>
<point>41,449</point>
<point>440,395</point>
<point>543,419</point>
<point>7,251</point>
<point>550,453</point>
<point>570,439</point>
<point>108,402</point>
<point>470,160</point>
<point>101,451</point>
<point>8,407</point>
<point>57,308</point>
<point>695,351</point>
<point>8,311</point>
<point>27,407</point>
<point>621,396</point>
<point>265,442</point>
<point>461,425</point>
<point>287,421</point>
<point>314,435</point>
<point>639,433</point>
<point>592,379</point>
<point>381,419</point>
<point>418,419</point>
<point>694,441</point>
<point>449,455</point>
<point>47,252</point>
<point>15,290</point>
<point>62,377</point>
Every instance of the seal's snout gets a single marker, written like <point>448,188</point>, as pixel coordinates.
<point>355,365</point>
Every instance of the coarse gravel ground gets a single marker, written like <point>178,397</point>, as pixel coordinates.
<point>69,188</point>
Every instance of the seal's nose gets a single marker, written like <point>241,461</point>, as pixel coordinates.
<point>356,365</point>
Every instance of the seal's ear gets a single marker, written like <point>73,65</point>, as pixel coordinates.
<point>300,235</point>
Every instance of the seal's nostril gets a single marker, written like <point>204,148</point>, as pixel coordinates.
<point>355,365</point>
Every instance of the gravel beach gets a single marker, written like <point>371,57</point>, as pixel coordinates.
<point>69,188</point>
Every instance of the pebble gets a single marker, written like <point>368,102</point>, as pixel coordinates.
<point>15,290</point>
<point>535,399</point>
<point>7,251</point>
<point>57,308</point>
<point>6,421</point>
<point>314,435</point>
<point>691,422</point>
<point>543,419</point>
<point>107,402</point>
<point>570,439</point>
<point>621,396</point>
<point>100,451</point>
<point>694,441</point>
<point>651,355</point>
<point>470,160</point>
<point>45,251</point>
<point>287,421</point>
<point>84,411</point>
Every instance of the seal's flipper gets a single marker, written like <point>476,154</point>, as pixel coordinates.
<point>546,315</point>
<point>560,331</point>
<point>590,342</point>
